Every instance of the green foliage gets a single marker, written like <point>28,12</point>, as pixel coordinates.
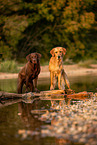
<point>30,26</point>
<point>9,66</point>
<point>87,63</point>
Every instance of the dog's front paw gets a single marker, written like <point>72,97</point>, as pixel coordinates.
<point>60,88</point>
<point>52,87</point>
<point>36,90</point>
<point>26,91</point>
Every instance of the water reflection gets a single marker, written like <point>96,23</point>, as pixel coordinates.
<point>79,83</point>
<point>84,83</point>
<point>18,117</point>
<point>30,121</point>
<point>59,115</point>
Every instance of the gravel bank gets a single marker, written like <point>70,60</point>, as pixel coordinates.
<point>75,123</point>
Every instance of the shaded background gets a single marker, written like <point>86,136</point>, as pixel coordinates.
<point>28,26</point>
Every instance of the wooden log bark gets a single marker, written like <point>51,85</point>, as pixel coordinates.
<point>8,102</point>
<point>30,94</point>
<point>6,95</point>
<point>80,95</point>
<point>52,94</point>
<point>9,95</point>
<point>49,93</point>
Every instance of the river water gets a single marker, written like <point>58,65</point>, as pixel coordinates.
<point>17,117</point>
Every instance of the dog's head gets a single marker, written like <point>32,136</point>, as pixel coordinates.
<point>58,52</point>
<point>33,57</point>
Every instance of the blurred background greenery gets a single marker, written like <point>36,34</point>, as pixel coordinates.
<point>28,26</point>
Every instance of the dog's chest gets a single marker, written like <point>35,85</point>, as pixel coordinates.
<point>57,67</point>
<point>35,72</point>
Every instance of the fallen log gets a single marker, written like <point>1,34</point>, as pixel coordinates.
<point>49,93</point>
<point>6,95</point>
<point>41,111</point>
<point>9,95</point>
<point>9,102</point>
<point>46,95</point>
<point>30,94</point>
<point>80,95</point>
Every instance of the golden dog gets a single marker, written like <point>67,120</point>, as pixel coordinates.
<point>56,68</point>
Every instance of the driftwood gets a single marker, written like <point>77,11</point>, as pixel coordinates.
<point>30,94</point>
<point>9,95</point>
<point>47,95</point>
<point>41,111</point>
<point>80,95</point>
<point>8,102</point>
<point>27,97</point>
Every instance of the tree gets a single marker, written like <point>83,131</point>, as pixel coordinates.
<point>29,26</point>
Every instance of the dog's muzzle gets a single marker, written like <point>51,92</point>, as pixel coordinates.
<point>58,57</point>
<point>34,61</point>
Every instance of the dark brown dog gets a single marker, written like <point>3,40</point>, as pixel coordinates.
<point>29,73</point>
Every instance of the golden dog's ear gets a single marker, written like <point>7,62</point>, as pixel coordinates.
<point>52,52</point>
<point>28,57</point>
<point>64,51</point>
<point>39,55</point>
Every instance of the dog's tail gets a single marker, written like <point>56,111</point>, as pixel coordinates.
<point>65,78</point>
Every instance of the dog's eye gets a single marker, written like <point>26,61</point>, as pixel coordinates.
<point>60,51</point>
<point>56,52</point>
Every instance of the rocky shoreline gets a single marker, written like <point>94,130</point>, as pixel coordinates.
<point>75,123</point>
<point>68,124</point>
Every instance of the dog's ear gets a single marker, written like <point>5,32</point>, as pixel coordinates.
<point>39,55</point>
<point>64,51</point>
<point>52,52</point>
<point>28,57</point>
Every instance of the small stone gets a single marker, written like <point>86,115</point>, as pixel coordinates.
<point>82,140</point>
<point>60,130</point>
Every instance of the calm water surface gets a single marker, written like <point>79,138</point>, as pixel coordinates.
<point>11,122</point>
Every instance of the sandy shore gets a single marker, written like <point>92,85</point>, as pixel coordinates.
<point>71,70</point>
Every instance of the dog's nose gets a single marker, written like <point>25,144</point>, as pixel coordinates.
<point>58,57</point>
<point>34,61</point>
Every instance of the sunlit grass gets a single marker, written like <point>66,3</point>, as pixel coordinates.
<point>43,63</point>
<point>9,66</point>
<point>12,66</point>
<point>68,62</point>
<point>87,63</point>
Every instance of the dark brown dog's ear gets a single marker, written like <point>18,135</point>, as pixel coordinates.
<point>52,52</point>
<point>64,51</point>
<point>39,55</point>
<point>28,57</point>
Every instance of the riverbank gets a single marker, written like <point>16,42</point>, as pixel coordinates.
<point>72,124</point>
<point>71,70</point>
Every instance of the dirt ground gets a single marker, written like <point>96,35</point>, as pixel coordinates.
<point>71,70</point>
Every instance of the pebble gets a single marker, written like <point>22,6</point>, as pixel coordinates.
<point>77,121</point>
